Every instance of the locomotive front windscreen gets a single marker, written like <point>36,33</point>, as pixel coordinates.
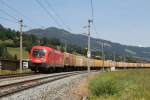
<point>38,53</point>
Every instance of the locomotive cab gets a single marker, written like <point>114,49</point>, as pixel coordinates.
<point>39,55</point>
<point>45,59</point>
<point>38,59</point>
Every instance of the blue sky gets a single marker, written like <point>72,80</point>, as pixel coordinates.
<point>122,21</point>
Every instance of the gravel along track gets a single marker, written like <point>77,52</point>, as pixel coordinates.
<point>12,88</point>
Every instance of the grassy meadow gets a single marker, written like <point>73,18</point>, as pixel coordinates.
<point>6,72</point>
<point>15,51</point>
<point>121,85</point>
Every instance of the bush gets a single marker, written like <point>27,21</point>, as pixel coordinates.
<point>126,85</point>
<point>104,86</point>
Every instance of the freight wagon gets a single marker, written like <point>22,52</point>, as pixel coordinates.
<point>46,59</point>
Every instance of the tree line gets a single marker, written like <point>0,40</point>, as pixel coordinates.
<point>11,38</point>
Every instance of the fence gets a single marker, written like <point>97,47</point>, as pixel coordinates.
<point>6,64</point>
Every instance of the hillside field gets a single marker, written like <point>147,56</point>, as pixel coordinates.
<point>121,85</point>
<point>15,51</point>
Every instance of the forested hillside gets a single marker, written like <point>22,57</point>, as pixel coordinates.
<point>9,43</point>
<point>66,41</point>
<point>81,41</point>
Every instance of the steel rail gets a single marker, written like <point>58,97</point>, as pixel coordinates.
<point>12,88</point>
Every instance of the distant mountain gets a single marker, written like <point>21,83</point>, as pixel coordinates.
<point>81,40</point>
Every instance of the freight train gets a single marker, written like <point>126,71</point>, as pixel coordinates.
<point>47,59</point>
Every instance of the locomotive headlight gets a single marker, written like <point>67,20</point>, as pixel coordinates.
<point>44,51</point>
<point>43,59</point>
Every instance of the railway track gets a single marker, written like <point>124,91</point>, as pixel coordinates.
<point>16,75</point>
<point>12,88</point>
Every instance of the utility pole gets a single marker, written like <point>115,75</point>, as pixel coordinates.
<point>65,45</point>
<point>21,26</point>
<point>102,46</point>
<point>114,58</point>
<point>114,54</point>
<point>89,51</point>
<point>124,60</point>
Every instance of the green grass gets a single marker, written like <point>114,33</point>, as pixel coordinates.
<point>6,72</point>
<point>6,41</point>
<point>122,85</point>
<point>15,51</point>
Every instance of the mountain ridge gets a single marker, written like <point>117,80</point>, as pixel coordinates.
<point>81,40</point>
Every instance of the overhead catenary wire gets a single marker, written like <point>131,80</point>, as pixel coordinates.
<point>17,11</point>
<point>59,19</point>
<point>10,7</point>
<point>48,13</point>
<point>11,16</point>
<point>7,19</point>
<point>56,14</point>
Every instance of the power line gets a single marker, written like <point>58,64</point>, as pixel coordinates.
<point>7,19</point>
<point>8,14</point>
<point>56,14</point>
<point>4,3</point>
<point>13,17</point>
<point>47,11</point>
<point>15,10</point>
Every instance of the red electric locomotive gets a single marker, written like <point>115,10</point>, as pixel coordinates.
<point>45,59</point>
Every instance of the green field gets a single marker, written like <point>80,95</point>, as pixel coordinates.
<point>121,85</point>
<point>6,72</point>
<point>6,42</point>
<point>15,51</point>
